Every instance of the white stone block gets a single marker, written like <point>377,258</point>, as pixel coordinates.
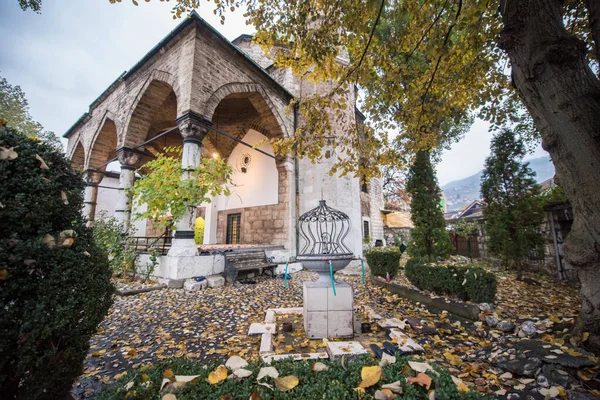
<point>349,349</point>
<point>266,343</point>
<point>340,324</point>
<point>267,359</point>
<point>290,310</point>
<point>193,286</point>
<point>343,300</point>
<point>392,323</point>
<point>315,324</point>
<point>278,256</point>
<point>315,297</point>
<point>405,342</point>
<point>292,268</point>
<point>258,328</point>
<point>215,281</point>
<point>270,316</point>
<point>188,267</point>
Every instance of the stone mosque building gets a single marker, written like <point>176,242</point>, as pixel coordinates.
<point>214,97</point>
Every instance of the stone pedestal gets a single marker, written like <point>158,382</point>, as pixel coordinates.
<point>326,315</point>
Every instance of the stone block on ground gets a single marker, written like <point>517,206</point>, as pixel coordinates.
<point>258,328</point>
<point>266,343</point>
<point>295,356</point>
<point>328,315</point>
<point>270,316</point>
<point>191,285</point>
<point>292,268</point>
<point>349,349</point>
<point>405,342</point>
<point>172,283</point>
<point>215,281</point>
<point>392,323</point>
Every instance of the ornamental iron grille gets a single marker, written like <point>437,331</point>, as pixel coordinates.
<point>324,230</point>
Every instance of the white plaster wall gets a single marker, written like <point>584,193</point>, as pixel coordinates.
<point>107,201</point>
<point>259,185</point>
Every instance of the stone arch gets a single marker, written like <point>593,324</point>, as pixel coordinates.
<point>262,101</point>
<point>77,157</point>
<point>155,91</point>
<point>104,142</point>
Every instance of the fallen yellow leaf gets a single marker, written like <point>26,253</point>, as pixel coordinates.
<point>370,376</point>
<point>286,383</point>
<point>218,375</point>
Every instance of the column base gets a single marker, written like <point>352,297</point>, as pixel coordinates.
<point>183,248</point>
<point>327,315</point>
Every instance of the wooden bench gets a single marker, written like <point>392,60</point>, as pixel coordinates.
<point>247,260</point>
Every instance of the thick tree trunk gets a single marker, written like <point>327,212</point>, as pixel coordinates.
<point>563,96</point>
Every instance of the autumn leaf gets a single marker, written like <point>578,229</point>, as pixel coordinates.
<point>370,376</point>
<point>286,383</point>
<point>236,362</point>
<point>49,240</point>
<point>3,274</point>
<point>43,164</point>
<point>395,387</point>
<point>168,374</point>
<point>169,396</point>
<point>422,379</point>
<point>384,394</point>
<point>8,153</point>
<point>460,385</point>
<point>267,371</point>
<point>319,366</point>
<point>585,336</point>
<point>218,375</point>
<point>68,242</point>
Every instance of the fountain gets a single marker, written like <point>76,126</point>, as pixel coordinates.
<point>328,306</point>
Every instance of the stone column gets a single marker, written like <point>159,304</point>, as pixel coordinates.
<point>286,168</point>
<point>193,127</point>
<point>130,159</point>
<point>210,222</point>
<point>92,178</point>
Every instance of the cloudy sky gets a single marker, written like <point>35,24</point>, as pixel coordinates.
<point>66,56</point>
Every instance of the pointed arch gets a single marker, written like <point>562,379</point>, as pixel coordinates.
<point>159,88</point>
<point>257,96</point>
<point>77,157</point>
<point>104,142</point>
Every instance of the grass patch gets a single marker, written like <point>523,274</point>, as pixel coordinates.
<point>338,382</point>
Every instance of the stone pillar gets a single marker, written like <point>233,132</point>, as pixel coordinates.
<point>130,159</point>
<point>92,178</point>
<point>286,168</point>
<point>193,128</point>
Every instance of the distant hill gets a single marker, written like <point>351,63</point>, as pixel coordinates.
<point>463,191</point>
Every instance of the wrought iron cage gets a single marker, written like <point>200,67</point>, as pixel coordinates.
<point>324,230</point>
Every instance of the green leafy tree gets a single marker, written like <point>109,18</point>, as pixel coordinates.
<point>513,211</point>
<point>429,237</point>
<point>14,109</point>
<point>167,197</point>
<point>54,279</point>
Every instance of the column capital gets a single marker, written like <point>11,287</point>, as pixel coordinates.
<point>129,158</point>
<point>193,127</point>
<point>93,176</point>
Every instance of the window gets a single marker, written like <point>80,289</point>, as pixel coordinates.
<point>366,232</point>
<point>233,228</point>
<point>364,186</point>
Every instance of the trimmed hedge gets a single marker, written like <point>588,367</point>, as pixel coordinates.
<point>468,283</point>
<point>338,382</point>
<point>384,260</point>
<point>54,280</point>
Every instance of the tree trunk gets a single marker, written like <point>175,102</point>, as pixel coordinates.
<point>562,94</point>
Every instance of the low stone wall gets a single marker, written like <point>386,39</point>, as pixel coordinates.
<point>461,309</point>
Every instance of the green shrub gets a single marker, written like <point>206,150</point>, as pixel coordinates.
<point>54,281</point>
<point>468,282</point>
<point>383,260</point>
<point>119,247</point>
<point>337,382</point>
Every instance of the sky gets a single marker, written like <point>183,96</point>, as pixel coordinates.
<point>66,56</point>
